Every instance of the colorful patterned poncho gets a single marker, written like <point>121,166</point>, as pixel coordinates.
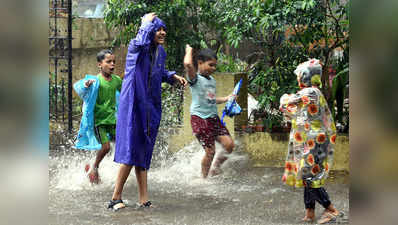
<point>313,134</point>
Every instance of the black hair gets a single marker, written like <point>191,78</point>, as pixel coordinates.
<point>102,53</point>
<point>204,55</point>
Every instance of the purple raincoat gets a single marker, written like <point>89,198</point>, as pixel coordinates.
<point>139,111</point>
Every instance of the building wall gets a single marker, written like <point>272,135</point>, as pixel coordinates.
<point>265,149</point>
<point>89,37</point>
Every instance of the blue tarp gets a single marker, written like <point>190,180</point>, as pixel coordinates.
<point>86,137</point>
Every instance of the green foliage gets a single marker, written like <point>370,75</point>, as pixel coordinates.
<point>339,93</point>
<point>289,32</point>
<point>286,33</point>
<point>58,99</point>
<point>172,105</point>
<point>272,120</point>
<point>230,64</point>
<point>186,21</point>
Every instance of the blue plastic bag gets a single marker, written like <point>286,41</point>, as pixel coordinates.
<point>232,108</point>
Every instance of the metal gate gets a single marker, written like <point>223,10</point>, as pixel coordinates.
<point>60,62</point>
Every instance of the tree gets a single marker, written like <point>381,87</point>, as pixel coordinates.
<point>186,22</point>
<point>287,33</point>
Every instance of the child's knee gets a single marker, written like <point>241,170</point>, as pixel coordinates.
<point>210,152</point>
<point>229,146</point>
<point>106,147</point>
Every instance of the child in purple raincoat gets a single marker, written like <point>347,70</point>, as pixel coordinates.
<point>139,110</point>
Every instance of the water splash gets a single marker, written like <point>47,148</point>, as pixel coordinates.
<point>173,173</point>
<point>67,170</point>
<point>183,172</point>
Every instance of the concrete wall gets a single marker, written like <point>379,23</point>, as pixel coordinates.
<point>270,149</point>
<point>89,37</point>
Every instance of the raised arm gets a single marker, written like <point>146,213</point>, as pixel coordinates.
<point>145,33</point>
<point>188,64</point>
<point>82,87</point>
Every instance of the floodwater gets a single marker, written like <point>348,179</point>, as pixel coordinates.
<point>240,195</point>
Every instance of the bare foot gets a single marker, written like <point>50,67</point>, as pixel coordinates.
<point>326,218</point>
<point>215,172</point>
<point>329,215</point>
<point>92,174</point>
<point>307,219</point>
<point>335,212</point>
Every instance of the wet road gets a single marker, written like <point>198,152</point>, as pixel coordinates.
<point>241,195</point>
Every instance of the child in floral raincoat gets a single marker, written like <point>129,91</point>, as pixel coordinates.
<point>311,142</point>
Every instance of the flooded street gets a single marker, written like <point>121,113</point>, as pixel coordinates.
<point>241,195</point>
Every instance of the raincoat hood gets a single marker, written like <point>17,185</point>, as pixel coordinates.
<point>309,73</point>
<point>158,23</point>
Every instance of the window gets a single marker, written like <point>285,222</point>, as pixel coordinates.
<point>89,8</point>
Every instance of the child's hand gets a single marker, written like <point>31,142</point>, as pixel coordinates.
<point>231,96</point>
<point>181,80</point>
<point>188,49</point>
<point>221,100</point>
<point>188,62</point>
<point>188,56</point>
<point>88,83</point>
<point>148,17</point>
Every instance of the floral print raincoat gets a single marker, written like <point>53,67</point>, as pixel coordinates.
<point>313,133</point>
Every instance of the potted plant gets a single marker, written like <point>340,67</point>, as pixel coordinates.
<point>259,126</point>
<point>272,123</point>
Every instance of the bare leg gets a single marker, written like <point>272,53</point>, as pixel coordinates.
<point>124,171</point>
<point>332,210</point>
<point>228,145</point>
<point>207,160</point>
<point>93,171</point>
<point>309,215</point>
<point>101,154</point>
<point>329,214</point>
<point>141,176</point>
